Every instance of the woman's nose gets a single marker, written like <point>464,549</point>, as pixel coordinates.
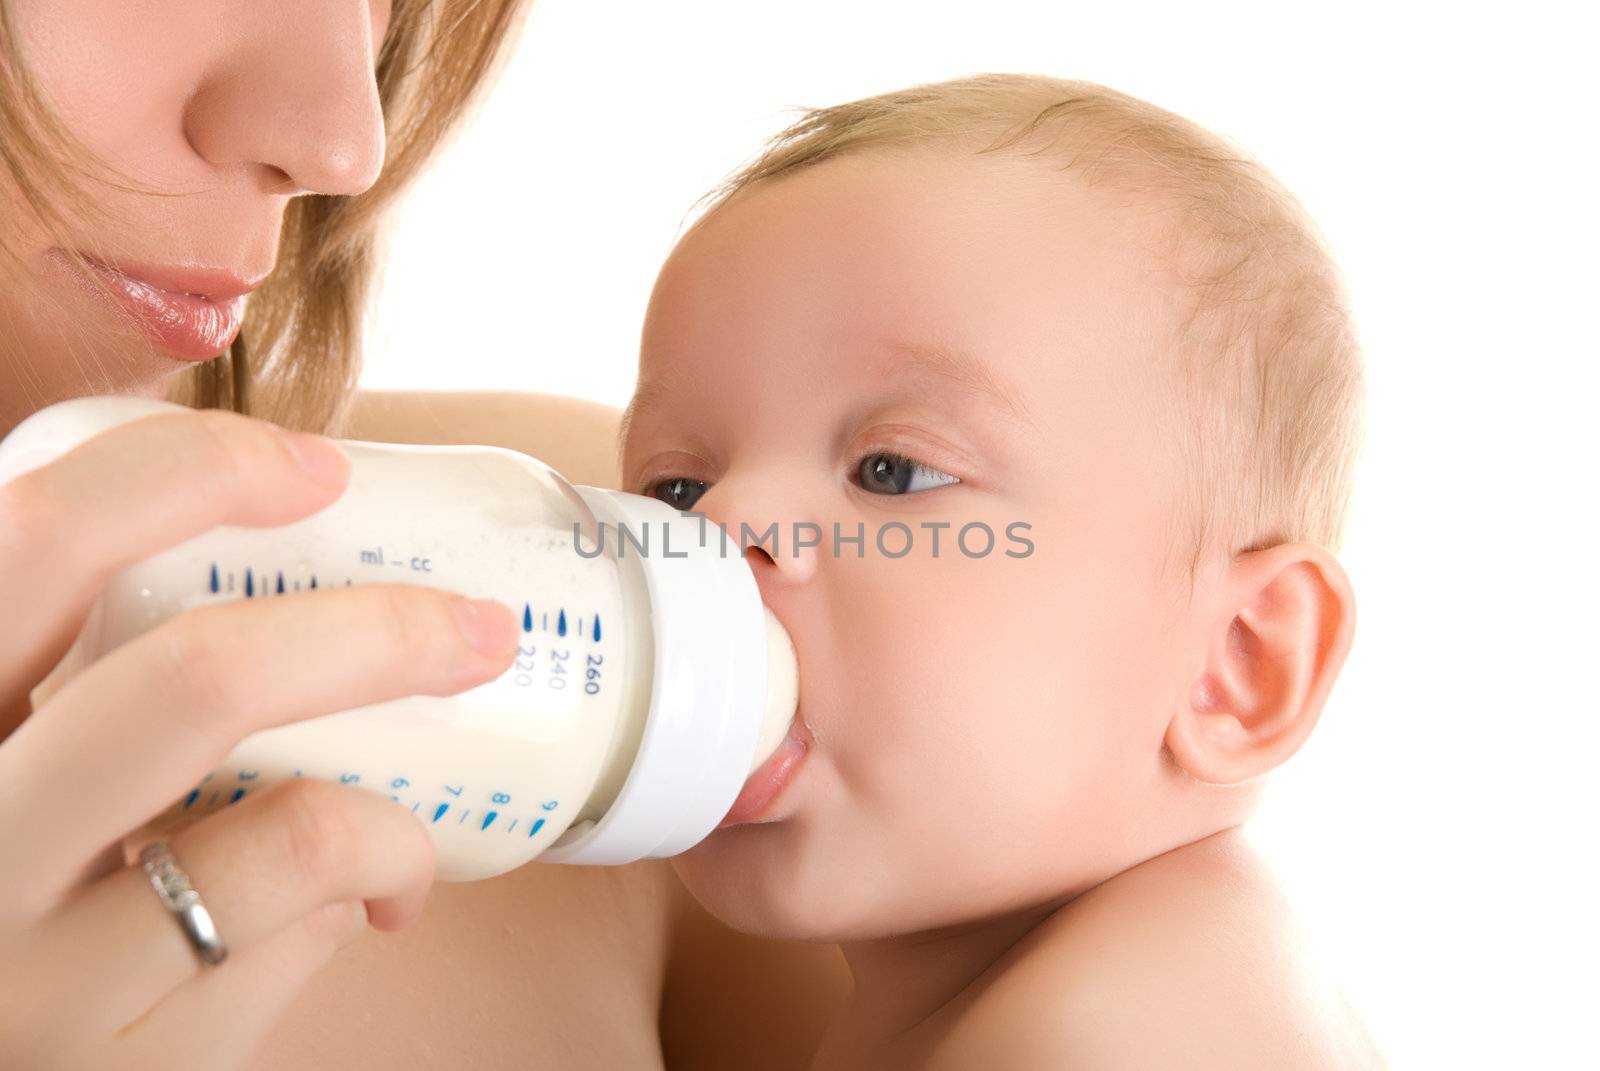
<point>297,96</point>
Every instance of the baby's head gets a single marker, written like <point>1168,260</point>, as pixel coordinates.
<point>1082,380</point>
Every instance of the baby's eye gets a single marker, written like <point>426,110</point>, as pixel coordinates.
<point>892,474</point>
<point>679,493</point>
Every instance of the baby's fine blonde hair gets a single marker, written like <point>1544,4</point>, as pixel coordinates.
<point>1265,343</point>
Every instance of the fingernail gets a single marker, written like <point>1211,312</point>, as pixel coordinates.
<point>486,623</point>
<point>319,457</point>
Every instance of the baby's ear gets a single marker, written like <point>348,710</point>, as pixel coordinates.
<point>1277,635</point>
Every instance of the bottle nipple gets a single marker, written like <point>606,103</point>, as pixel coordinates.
<point>783,690</point>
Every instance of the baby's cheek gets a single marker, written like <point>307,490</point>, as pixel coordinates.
<point>977,715</point>
<point>955,681</point>
<point>995,683</point>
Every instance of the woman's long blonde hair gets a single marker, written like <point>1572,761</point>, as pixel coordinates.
<point>303,326</point>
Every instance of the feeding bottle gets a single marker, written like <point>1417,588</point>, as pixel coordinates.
<point>650,680</point>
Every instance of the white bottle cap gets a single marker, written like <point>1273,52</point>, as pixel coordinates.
<point>710,701</point>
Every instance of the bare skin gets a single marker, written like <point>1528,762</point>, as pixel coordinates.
<point>1191,959</point>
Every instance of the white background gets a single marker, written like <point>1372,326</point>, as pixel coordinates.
<point>1438,830</point>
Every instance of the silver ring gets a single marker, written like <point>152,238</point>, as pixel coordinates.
<point>170,882</point>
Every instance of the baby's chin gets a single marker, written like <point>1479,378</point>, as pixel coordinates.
<point>758,878</point>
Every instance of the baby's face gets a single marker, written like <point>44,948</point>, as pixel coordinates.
<point>882,341</point>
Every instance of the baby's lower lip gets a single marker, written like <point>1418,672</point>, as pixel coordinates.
<point>761,792</point>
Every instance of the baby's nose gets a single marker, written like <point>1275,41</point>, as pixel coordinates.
<point>785,566</point>
<point>781,549</point>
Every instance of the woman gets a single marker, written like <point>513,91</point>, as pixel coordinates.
<point>156,168</point>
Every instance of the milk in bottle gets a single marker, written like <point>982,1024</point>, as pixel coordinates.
<point>650,680</point>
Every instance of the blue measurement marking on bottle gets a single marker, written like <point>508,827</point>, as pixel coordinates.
<point>490,817</point>
<point>313,583</point>
<point>249,584</point>
<point>214,584</point>
<point>280,583</point>
<point>541,622</point>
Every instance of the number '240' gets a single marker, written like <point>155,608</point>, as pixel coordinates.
<point>559,657</point>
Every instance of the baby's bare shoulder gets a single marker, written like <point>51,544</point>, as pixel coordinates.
<point>1189,960</point>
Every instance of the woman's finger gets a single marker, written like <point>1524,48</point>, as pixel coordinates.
<point>259,867</point>
<point>125,495</point>
<point>231,1012</point>
<point>127,736</point>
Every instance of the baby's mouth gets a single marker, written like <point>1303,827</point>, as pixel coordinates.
<point>764,787</point>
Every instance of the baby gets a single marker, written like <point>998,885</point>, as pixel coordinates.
<point>1036,407</point>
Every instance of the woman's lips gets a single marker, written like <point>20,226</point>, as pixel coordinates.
<point>761,792</point>
<point>191,313</point>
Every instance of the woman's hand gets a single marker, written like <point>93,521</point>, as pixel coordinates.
<point>94,971</point>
